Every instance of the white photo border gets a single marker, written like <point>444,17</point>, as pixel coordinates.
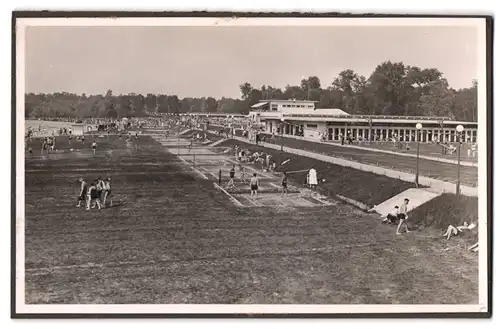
<point>484,110</point>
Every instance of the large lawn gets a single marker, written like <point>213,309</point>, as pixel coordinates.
<point>173,238</point>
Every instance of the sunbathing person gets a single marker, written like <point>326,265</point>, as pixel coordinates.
<point>474,247</point>
<point>452,230</point>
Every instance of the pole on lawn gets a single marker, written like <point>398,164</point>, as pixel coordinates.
<point>220,177</point>
<point>419,128</point>
<point>282,128</point>
<point>459,128</point>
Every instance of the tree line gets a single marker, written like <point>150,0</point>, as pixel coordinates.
<point>392,89</point>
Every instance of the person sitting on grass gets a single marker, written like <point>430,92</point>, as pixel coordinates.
<point>452,230</point>
<point>392,217</point>
<point>403,216</point>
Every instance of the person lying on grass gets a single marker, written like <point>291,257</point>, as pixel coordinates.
<point>452,230</point>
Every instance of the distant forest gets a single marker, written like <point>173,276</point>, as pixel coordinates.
<point>392,89</point>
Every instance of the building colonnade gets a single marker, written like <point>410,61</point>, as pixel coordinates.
<point>407,134</point>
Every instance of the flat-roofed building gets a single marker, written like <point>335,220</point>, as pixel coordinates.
<point>302,118</point>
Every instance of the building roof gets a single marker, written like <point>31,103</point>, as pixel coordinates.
<point>288,100</point>
<point>262,103</point>
<point>315,116</point>
<point>212,114</point>
<point>348,119</point>
<point>335,112</point>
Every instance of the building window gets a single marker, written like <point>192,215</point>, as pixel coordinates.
<point>311,126</point>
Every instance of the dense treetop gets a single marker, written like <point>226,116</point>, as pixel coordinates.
<point>392,88</point>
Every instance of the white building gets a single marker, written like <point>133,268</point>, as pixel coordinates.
<point>302,118</point>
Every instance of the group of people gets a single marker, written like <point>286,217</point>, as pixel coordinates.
<point>398,216</point>
<point>259,158</point>
<point>95,194</point>
<point>48,145</point>
<point>254,181</point>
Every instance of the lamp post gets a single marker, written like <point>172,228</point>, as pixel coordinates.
<point>419,128</point>
<point>460,129</point>
<point>370,131</point>
<point>282,128</point>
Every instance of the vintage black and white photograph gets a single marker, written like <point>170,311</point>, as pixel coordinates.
<point>251,165</point>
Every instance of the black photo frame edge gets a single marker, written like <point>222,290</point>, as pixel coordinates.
<point>151,14</point>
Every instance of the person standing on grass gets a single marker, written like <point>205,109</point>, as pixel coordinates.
<point>101,186</point>
<point>242,173</point>
<point>254,185</point>
<point>94,146</point>
<point>83,140</point>
<point>313,178</point>
<point>230,184</point>
<point>44,144</point>
<point>53,144</point>
<point>403,216</point>
<point>83,191</point>
<point>284,184</point>
<point>107,193</point>
<point>92,195</point>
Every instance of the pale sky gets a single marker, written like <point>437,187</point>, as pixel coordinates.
<point>214,61</point>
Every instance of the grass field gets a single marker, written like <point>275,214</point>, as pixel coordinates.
<point>433,169</point>
<point>173,238</point>
<point>447,209</point>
